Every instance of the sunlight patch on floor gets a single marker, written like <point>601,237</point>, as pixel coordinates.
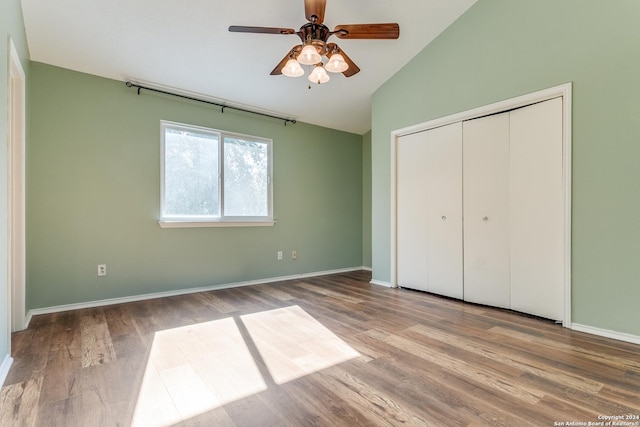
<point>293,344</point>
<point>194,369</point>
<point>198,368</point>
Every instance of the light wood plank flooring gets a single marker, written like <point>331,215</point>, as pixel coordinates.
<point>325,351</point>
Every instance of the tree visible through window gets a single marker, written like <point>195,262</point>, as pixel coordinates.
<point>246,180</point>
<point>210,175</point>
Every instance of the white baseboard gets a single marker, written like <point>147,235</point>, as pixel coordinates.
<point>620,336</point>
<point>381,283</point>
<point>4,368</point>
<point>366,268</point>
<point>133,298</point>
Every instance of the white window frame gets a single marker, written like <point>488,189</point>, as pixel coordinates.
<point>189,221</point>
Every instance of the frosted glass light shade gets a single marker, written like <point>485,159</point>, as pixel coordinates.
<point>292,69</point>
<point>336,64</point>
<point>309,56</point>
<point>319,75</point>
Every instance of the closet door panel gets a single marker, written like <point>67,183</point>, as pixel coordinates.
<point>411,211</point>
<point>536,209</point>
<point>444,209</point>
<point>486,210</point>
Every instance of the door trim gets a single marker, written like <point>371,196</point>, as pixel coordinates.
<point>16,191</point>
<point>564,91</point>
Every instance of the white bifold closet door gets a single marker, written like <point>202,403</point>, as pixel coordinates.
<point>486,210</point>
<point>480,210</point>
<point>537,210</point>
<point>411,211</point>
<point>429,210</point>
<point>444,210</point>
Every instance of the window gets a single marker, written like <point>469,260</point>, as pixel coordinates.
<point>214,178</point>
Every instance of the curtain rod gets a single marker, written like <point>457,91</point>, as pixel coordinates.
<point>222,106</point>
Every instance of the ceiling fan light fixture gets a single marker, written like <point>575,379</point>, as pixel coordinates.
<point>314,36</point>
<point>292,69</point>
<point>309,55</point>
<point>336,64</point>
<point>319,75</point>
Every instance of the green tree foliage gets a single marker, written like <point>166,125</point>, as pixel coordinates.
<point>246,178</point>
<point>191,173</point>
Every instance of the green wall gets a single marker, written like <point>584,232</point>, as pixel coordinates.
<point>11,27</point>
<point>366,199</point>
<point>93,196</point>
<point>500,49</point>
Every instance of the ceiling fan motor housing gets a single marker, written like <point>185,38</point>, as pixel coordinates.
<point>316,35</point>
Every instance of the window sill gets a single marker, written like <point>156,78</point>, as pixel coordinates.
<point>204,224</point>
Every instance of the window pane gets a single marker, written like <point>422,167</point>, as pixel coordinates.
<point>246,178</point>
<point>191,173</point>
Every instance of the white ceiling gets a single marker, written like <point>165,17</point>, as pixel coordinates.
<point>186,45</point>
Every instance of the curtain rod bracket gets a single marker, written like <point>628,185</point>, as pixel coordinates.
<point>204,101</point>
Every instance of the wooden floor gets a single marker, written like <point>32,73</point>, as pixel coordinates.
<point>331,350</point>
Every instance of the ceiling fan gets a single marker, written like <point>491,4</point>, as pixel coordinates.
<point>314,35</point>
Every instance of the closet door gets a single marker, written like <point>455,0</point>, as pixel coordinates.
<point>411,211</point>
<point>429,210</point>
<point>486,210</point>
<point>444,209</point>
<point>536,209</point>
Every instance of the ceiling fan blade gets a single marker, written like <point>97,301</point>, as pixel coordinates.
<point>278,70</point>
<point>315,7</point>
<point>368,31</point>
<point>291,54</point>
<point>261,30</point>
<point>353,68</point>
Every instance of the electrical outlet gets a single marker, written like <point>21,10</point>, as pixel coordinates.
<point>294,254</point>
<point>279,255</point>
<point>102,270</point>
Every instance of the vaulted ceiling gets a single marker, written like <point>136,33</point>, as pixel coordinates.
<point>186,45</point>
